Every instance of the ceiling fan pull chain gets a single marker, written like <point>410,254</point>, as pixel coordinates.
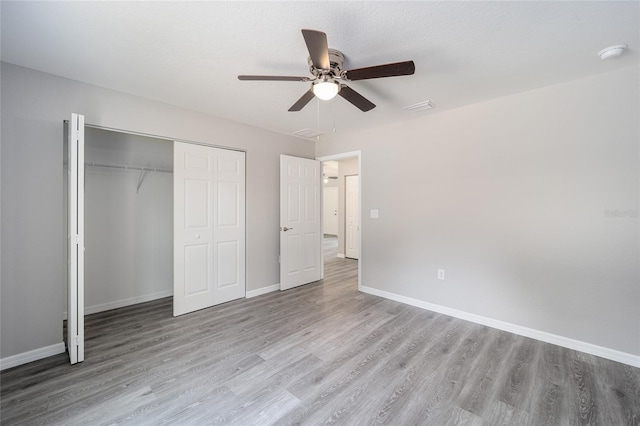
<point>333,111</point>
<point>318,119</point>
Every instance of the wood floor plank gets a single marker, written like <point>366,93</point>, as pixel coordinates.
<point>620,392</point>
<point>516,389</point>
<point>322,353</point>
<point>481,383</point>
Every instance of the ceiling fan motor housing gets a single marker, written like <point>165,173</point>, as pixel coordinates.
<point>336,59</point>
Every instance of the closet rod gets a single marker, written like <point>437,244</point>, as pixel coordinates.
<point>113,166</point>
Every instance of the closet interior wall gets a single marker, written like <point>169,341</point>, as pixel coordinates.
<point>128,219</point>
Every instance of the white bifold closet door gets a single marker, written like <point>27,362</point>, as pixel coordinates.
<point>75,243</point>
<point>209,226</point>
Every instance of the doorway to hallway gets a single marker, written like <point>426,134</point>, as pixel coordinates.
<point>341,211</point>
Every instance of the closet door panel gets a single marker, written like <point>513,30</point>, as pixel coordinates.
<point>229,229</point>
<point>196,274</point>
<point>196,195</point>
<point>209,226</point>
<point>193,230</point>
<point>228,215</point>
<point>228,255</point>
<point>75,244</point>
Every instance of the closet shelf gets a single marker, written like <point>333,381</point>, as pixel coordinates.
<point>115,166</point>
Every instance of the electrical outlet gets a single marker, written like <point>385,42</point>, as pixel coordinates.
<point>441,274</point>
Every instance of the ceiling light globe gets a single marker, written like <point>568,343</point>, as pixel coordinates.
<point>326,90</point>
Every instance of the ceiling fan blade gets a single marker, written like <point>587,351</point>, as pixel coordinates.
<point>379,71</point>
<point>272,78</point>
<point>304,100</point>
<point>318,48</point>
<point>356,98</point>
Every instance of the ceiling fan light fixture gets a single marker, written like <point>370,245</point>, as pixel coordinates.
<point>325,89</point>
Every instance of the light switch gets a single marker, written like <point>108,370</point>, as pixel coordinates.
<point>374,214</point>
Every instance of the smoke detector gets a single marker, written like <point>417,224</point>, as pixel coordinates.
<point>612,51</point>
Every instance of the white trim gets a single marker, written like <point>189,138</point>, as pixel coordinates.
<point>262,290</point>
<point>342,156</point>
<point>601,351</point>
<point>166,138</point>
<point>30,356</point>
<point>341,256</point>
<point>126,302</point>
<point>88,310</point>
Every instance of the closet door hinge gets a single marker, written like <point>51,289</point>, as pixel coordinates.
<point>75,239</point>
<point>76,340</point>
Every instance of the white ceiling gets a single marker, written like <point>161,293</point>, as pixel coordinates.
<point>190,53</point>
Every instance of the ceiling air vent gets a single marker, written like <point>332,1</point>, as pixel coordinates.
<point>420,106</point>
<point>307,133</point>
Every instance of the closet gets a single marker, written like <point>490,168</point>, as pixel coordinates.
<point>148,218</point>
<point>128,219</point>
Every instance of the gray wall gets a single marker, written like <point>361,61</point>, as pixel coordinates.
<point>512,198</point>
<point>33,108</point>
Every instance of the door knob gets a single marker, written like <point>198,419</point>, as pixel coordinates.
<point>285,229</point>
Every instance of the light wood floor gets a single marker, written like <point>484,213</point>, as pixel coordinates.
<point>319,354</point>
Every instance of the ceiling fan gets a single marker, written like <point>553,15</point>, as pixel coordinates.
<point>326,67</point>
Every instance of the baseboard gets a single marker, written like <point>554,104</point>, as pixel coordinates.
<point>566,342</point>
<point>340,256</point>
<point>30,356</point>
<point>262,290</point>
<point>94,309</point>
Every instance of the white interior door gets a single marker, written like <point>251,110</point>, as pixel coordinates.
<point>300,230</point>
<point>352,218</point>
<point>75,215</point>
<point>209,227</point>
<point>330,210</point>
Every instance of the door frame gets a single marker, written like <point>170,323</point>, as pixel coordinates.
<point>343,156</point>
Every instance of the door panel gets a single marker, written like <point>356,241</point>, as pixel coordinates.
<point>229,230</point>
<point>311,202</point>
<point>227,255</point>
<point>352,241</point>
<point>300,231</point>
<point>196,196</point>
<point>75,216</point>
<point>330,210</point>
<point>193,230</point>
<point>209,226</point>
<point>228,193</point>
<point>197,275</point>
<point>310,250</point>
